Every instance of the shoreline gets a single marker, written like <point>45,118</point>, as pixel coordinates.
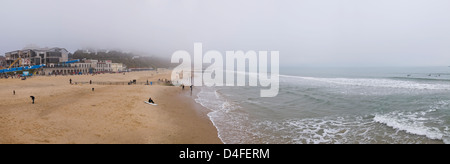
<point>206,111</point>
<point>66,113</point>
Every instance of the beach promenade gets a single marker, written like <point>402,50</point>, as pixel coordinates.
<point>74,114</point>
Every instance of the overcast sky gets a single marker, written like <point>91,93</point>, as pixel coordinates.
<point>306,32</point>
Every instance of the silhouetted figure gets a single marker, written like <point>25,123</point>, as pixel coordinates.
<point>70,81</point>
<point>93,89</point>
<point>90,81</point>
<point>32,98</point>
<point>182,86</point>
<point>151,101</point>
<point>191,88</point>
<point>14,92</point>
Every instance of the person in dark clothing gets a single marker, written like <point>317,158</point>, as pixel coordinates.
<point>151,101</point>
<point>93,89</point>
<point>32,98</point>
<point>90,81</point>
<point>182,86</point>
<point>70,81</point>
<point>14,92</point>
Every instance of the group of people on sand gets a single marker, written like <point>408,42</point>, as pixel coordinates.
<point>32,97</point>
<point>70,81</point>
<point>182,87</point>
<point>150,100</point>
<point>191,86</point>
<point>164,81</point>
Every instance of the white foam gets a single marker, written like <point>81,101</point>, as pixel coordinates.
<point>329,130</point>
<point>412,122</point>
<point>220,108</point>
<point>385,83</point>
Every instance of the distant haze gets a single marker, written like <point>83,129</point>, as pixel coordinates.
<point>306,32</point>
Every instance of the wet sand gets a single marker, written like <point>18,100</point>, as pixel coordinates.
<point>73,114</point>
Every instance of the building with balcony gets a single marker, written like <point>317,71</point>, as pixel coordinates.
<point>38,56</point>
<point>2,62</point>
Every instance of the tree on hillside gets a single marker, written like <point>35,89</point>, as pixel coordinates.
<point>122,57</point>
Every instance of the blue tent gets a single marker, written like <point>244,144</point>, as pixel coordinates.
<point>21,68</point>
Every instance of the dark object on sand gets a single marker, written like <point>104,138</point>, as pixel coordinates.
<point>93,89</point>
<point>70,81</point>
<point>90,81</point>
<point>32,98</point>
<point>14,92</point>
<point>151,101</point>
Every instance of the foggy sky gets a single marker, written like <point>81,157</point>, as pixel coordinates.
<point>306,32</point>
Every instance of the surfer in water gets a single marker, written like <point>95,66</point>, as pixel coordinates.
<point>150,100</point>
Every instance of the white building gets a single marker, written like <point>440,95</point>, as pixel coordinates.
<point>85,67</point>
<point>117,67</point>
<point>101,65</point>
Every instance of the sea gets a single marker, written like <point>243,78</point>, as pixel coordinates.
<point>337,106</point>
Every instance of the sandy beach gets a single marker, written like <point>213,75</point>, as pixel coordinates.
<point>74,114</point>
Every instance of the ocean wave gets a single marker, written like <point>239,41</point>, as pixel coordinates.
<point>337,130</point>
<point>234,125</point>
<point>422,79</point>
<point>225,123</point>
<point>415,123</point>
<point>376,82</point>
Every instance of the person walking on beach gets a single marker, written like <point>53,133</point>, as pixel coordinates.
<point>93,89</point>
<point>191,88</point>
<point>182,87</point>
<point>14,92</point>
<point>70,81</point>
<point>32,98</point>
<point>90,81</point>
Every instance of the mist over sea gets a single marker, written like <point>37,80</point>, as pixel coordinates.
<point>337,105</point>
